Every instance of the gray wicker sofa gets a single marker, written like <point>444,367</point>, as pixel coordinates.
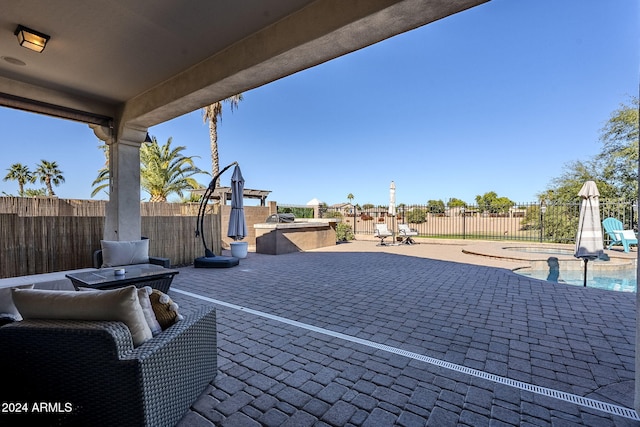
<point>89,374</point>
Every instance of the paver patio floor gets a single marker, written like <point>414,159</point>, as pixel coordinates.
<point>373,336</point>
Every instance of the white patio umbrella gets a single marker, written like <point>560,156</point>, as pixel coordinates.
<point>589,241</point>
<point>237,223</point>
<point>392,209</point>
<point>392,199</point>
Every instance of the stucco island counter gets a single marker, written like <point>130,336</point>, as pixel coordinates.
<point>301,235</point>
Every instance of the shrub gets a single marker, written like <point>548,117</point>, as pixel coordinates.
<point>344,232</point>
<point>332,214</point>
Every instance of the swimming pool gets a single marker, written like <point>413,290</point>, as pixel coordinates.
<point>545,251</point>
<point>621,281</point>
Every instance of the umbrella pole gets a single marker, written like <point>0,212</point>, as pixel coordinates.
<point>203,207</point>
<point>586,260</point>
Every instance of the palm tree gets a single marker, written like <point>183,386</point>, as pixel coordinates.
<point>49,174</point>
<point>210,114</point>
<point>22,174</point>
<point>164,170</point>
<point>102,181</point>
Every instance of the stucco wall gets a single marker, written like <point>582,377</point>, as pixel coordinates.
<point>253,215</point>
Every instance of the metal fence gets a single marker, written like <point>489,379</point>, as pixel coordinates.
<point>552,223</point>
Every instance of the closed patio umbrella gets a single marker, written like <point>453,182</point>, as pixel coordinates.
<point>392,199</point>
<point>589,241</point>
<point>237,223</point>
<point>392,208</point>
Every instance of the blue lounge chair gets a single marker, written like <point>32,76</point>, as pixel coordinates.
<point>619,236</point>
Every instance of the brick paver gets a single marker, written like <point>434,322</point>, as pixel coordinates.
<point>567,338</point>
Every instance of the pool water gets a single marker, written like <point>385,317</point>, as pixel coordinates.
<point>622,281</point>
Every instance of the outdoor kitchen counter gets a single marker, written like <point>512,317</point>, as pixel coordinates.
<point>286,237</point>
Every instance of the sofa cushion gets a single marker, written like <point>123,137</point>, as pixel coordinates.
<point>116,304</point>
<point>116,253</point>
<point>8,309</point>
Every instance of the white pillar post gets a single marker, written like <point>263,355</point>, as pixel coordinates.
<point>123,221</point>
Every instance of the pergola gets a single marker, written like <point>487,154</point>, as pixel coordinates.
<point>224,194</point>
<point>122,66</point>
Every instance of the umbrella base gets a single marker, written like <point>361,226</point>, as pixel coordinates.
<point>215,262</point>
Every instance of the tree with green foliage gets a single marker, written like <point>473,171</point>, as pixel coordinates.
<point>614,169</point>
<point>350,197</point>
<point>565,188</point>
<point>619,138</point>
<point>491,203</point>
<point>332,214</point>
<point>416,216</point>
<point>456,203</point>
<point>102,180</point>
<point>298,212</point>
<point>35,192</point>
<point>367,206</point>
<point>20,173</point>
<point>165,170</point>
<point>435,206</point>
<point>49,174</point>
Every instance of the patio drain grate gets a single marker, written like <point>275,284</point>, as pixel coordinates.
<point>544,391</point>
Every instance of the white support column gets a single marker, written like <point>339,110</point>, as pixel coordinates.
<point>123,220</point>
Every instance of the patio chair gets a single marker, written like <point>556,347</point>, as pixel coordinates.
<point>100,379</point>
<point>382,232</point>
<point>619,236</point>
<point>407,234</point>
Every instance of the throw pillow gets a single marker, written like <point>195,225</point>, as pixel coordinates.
<point>116,253</point>
<point>115,304</point>
<point>8,309</point>
<point>145,303</point>
<point>165,309</point>
<point>149,315</point>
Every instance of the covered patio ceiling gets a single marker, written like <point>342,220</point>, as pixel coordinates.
<point>139,63</point>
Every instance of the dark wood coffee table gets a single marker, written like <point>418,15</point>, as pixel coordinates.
<point>139,275</point>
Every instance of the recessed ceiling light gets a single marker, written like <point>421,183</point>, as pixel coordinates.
<point>14,61</point>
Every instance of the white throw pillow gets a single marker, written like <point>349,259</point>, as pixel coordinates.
<point>145,304</point>
<point>115,304</point>
<point>149,315</point>
<point>115,253</point>
<point>7,307</point>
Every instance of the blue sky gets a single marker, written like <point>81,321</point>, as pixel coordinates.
<point>498,98</point>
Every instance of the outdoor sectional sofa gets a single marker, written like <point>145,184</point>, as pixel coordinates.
<point>88,373</point>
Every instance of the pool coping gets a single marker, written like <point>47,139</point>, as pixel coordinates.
<point>504,250</point>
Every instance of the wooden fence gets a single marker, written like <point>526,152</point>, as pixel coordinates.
<point>62,239</point>
<point>53,206</point>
